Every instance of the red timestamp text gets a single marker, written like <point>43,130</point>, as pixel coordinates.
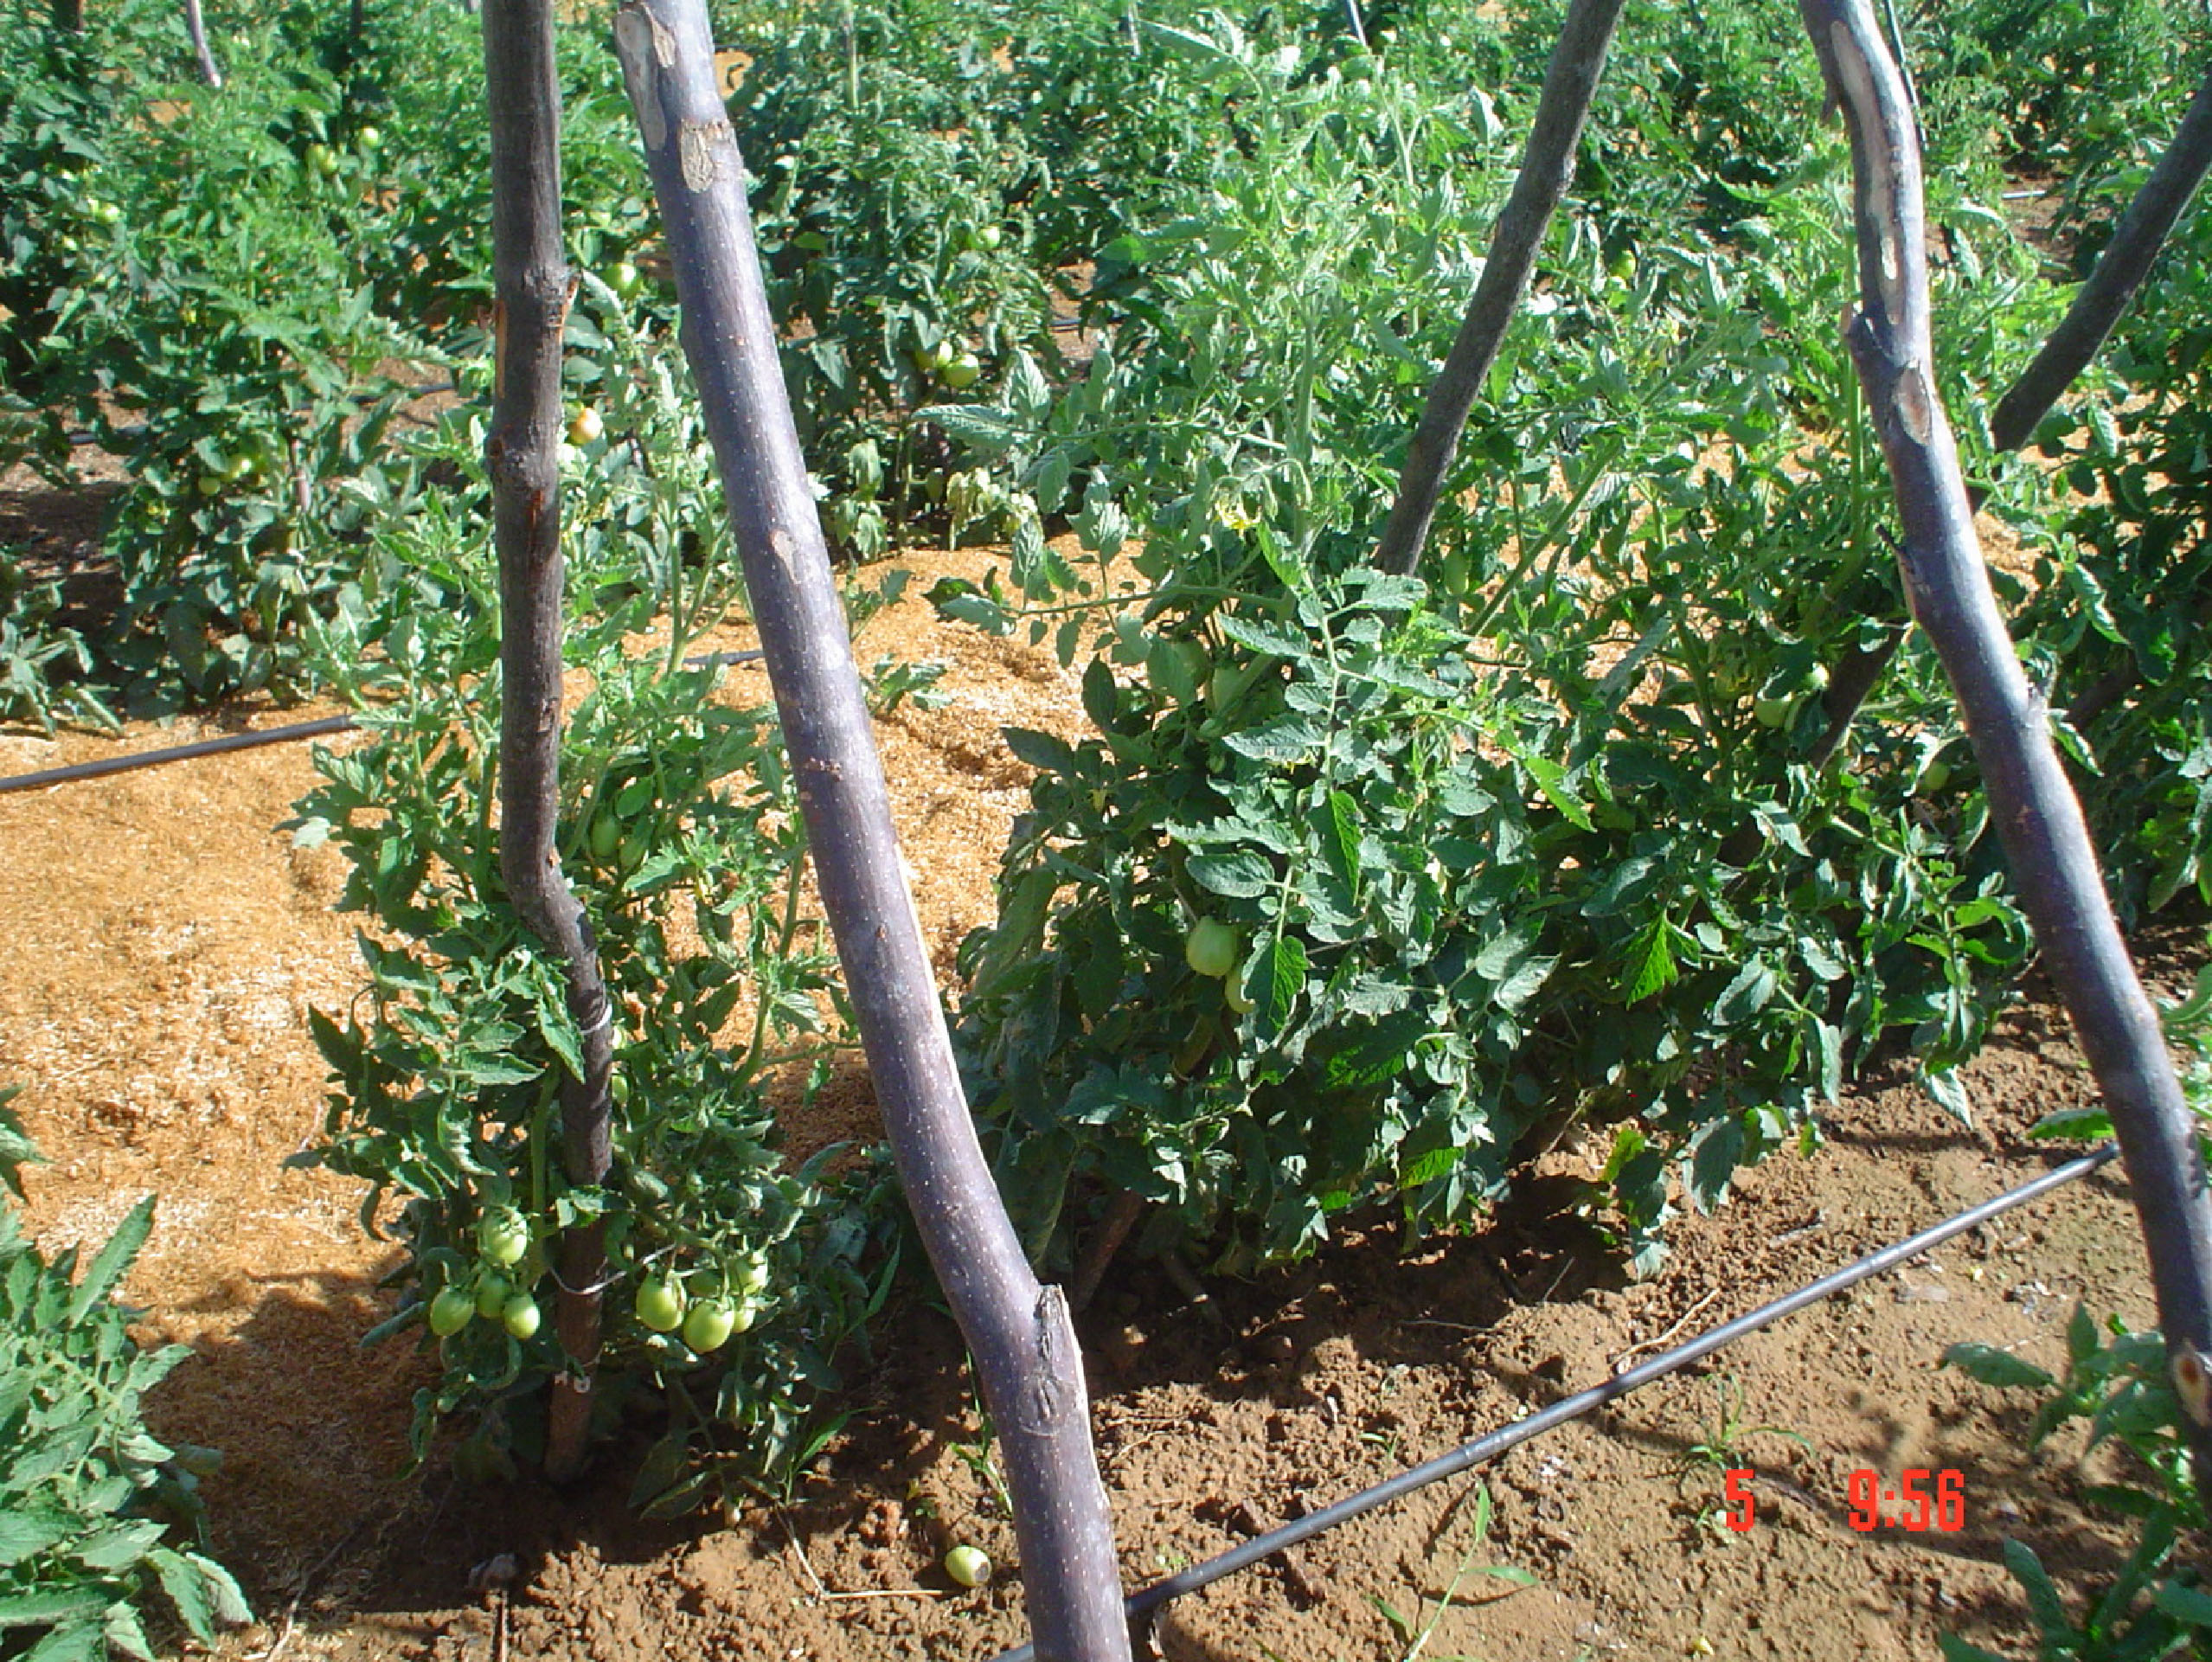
<point>1924,1499</point>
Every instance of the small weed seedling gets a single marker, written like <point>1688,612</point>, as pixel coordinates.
<point>1415,1634</point>
<point>1719,1451</point>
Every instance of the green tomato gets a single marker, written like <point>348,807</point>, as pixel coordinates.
<point>369,139</point>
<point>211,484</point>
<point>660,1303</point>
<point>450,1310</point>
<point>321,161</point>
<point>106,213</point>
<point>1211,948</point>
<point>989,236</point>
<point>502,1237</point>
<point>586,425</point>
<point>752,1275</point>
<point>1233,994</point>
<point>968,1566</point>
<point>604,836</point>
<point>521,1317</point>
<point>625,279</point>
<point>636,845</point>
<point>1934,776</point>
<point>241,467</point>
<point>491,1295</point>
<point>709,1325</point>
<point>1771,712</point>
<point>963,372</point>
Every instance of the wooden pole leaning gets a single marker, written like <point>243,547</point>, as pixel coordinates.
<point>1019,1332</point>
<point>2032,804</point>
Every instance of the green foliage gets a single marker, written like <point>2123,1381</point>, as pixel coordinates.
<point>89,1501</point>
<point>2118,1382</point>
<point>2159,1604</point>
<point>39,655</point>
<point>237,303</point>
<point>1483,894</point>
<point>2118,613</point>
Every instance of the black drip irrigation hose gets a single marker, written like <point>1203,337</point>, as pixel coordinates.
<point>176,753</point>
<point>1141,1604</point>
<point>247,742</point>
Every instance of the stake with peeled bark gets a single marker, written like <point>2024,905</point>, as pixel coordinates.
<point>196,29</point>
<point>531,289</point>
<point>1547,166</point>
<point>2038,818</point>
<point>1019,1332</point>
<point>2097,308</point>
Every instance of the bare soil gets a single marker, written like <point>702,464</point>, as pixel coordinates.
<point>161,944</point>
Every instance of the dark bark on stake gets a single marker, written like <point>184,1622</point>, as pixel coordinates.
<point>195,26</point>
<point>532,286</point>
<point>1546,165</point>
<point>1023,1342</point>
<point>2097,309</point>
<point>2037,814</point>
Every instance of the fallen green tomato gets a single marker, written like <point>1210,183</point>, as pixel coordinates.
<point>968,1566</point>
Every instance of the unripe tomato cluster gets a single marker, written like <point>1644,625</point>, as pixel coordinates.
<point>665,1305</point>
<point>243,469</point>
<point>956,366</point>
<point>502,1241</point>
<point>719,1304</point>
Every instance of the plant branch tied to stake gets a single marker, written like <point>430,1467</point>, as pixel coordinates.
<point>1022,1340</point>
<point>532,286</point>
<point>2037,816</point>
<point>1546,167</point>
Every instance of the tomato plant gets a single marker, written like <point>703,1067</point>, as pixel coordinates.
<point>679,837</point>
<point>92,1501</point>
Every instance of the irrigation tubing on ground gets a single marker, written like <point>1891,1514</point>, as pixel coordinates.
<point>176,753</point>
<point>244,741</point>
<point>1142,1603</point>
